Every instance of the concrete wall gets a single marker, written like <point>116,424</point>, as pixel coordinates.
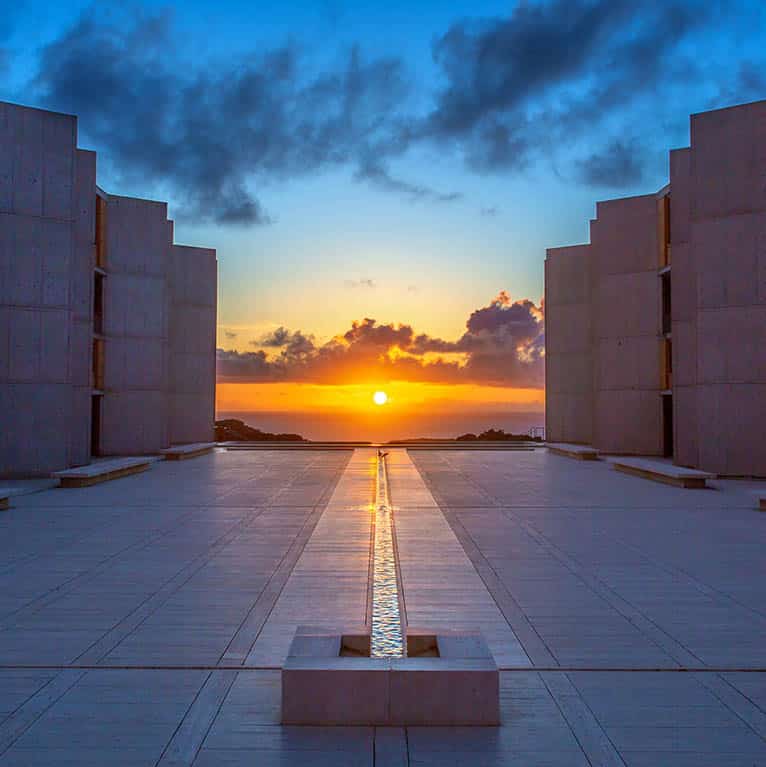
<point>159,313</point>
<point>136,317</point>
<point>626,326</point>
<point>193,305</point>
<point>602,331</point>
<point>719,275</point>
<point>717,204</point>
<point>568,345</point>
<point>43,247</point>
<point>684,313</point>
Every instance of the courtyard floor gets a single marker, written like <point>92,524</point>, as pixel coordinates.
<point>144,621</point>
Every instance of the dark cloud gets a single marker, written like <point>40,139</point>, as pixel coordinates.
<point>619,165</point>
<point>503,345</point>
<point>214,134</point>
<point>376,173</point>
<point>516,87</point>
<point>553,79</point>
<point>749,84</point>
<point>363,283</point>
<point>294,343</point>
<point>229,335</point>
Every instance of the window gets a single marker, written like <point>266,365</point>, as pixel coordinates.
<point>98,303</point>
<point>98,363</point>
<point>667,317</point>
<point>666,381</point>
<point>100,232</point>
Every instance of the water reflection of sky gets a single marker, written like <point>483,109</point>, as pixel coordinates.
<point>386,634</point>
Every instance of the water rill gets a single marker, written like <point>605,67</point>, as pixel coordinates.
<point>386,636</point>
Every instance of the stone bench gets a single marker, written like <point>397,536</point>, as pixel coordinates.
<point>661,471</point>
<point>103,471</point>
<point>181,452</point>
<point>14,488</point>
<point>580,452</point>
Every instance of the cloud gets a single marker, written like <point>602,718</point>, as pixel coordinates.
<point>517,87</point>
<point>619,165</point>
<point>230,335</point>
<point>559,81</point>
<point>363,283</point>
<point>376,173</point>
<point>489,212</point>
<point>503,345</point>
<point>214,133</point>
<point>283,338</point>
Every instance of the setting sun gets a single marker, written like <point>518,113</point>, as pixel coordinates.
<point>380,398</point>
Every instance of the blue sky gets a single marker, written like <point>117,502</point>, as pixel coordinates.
<point>580,116</point>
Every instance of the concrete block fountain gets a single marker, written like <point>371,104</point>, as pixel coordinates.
<point>384,674</point>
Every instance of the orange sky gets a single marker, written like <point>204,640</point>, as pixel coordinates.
<point>321,411</point>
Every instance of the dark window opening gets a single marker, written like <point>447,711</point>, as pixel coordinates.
<point>667,364</point>
<point>667,318</point>
<point>667,426</point>
<point>95,425</point>
<point>98,303</point>
<point>100,232</point>
<point>98,363</point>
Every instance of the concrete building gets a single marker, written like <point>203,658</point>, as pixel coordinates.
<point>656,329</point>
<point>107,329</point>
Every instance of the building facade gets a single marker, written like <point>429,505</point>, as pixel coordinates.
<point>656,329</point>
<point>107,328</point>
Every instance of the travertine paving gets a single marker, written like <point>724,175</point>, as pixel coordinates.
<point>142,621</point>
<point>329,585</point>
<point>442,589</point>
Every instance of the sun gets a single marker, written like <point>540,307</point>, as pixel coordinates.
<point>380,398</point>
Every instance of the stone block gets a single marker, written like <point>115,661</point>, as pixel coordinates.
<point>444,691</point>
<point>335,691</point>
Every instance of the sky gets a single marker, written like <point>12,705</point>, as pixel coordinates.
<point>381,180</point>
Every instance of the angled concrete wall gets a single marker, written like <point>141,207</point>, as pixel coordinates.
<point>626,327</point>
<point>41,252</point>
<point>135,404</point>
<point>159,313</point>
<point>191,336</point>
<point>716,203</point>
<point>568,345</point>
<point>684,313</point>
<point>721,283</point>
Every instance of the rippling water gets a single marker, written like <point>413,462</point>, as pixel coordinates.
<point>386,634</point>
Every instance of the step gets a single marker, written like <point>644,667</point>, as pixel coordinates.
<point>103,471</point>
<point>181,452</point>
<point>662,471</point>
<point>580,452</point>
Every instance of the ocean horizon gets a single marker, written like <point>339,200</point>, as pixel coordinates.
<point>385,426</point>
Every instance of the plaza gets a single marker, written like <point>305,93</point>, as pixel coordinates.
<point>144,621</point>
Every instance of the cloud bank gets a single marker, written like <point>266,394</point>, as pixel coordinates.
<point>503,345</point>
<point>556,81</point>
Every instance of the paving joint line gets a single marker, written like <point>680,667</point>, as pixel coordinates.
<point>591,581</point>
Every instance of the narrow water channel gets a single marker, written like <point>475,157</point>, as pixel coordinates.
<point>386,639</point>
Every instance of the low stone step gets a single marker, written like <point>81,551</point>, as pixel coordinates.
<point>580,452</point>
<point>181,452</point>
<point>103,471</point>
<point>662,471</point>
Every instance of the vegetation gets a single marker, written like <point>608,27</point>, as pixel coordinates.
<point>234,430</point>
